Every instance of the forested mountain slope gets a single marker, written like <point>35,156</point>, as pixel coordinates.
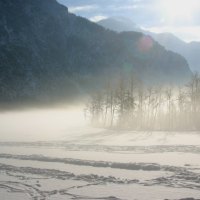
<point>46,53</point>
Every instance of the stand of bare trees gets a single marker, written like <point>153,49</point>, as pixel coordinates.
<point>127,103</point>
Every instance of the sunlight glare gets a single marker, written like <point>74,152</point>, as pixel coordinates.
<point>178,10</point>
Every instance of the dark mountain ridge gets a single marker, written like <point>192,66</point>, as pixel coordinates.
<point>49,54</point>
<point>190,50</point>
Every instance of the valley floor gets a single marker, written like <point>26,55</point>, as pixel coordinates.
<point>103,165</point>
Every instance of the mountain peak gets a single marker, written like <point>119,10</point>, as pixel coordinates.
<point>119,24</point>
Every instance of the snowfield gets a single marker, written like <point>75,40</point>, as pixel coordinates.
<point>95,164</point>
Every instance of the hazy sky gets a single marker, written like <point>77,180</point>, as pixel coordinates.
<point>181,17</point>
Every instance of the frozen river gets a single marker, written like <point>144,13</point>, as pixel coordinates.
<point>101,164</point>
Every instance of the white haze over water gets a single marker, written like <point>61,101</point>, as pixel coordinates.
<point>69,124</point>
<point>40,124</point>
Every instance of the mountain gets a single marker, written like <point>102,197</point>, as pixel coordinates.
<point>168,40</point>
<point>188,50</point>
<point>48,54</point>
<point>119,24</point>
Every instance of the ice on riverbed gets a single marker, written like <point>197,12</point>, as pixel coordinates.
<point>102,164</point>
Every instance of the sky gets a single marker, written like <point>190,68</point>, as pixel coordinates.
<point>180,17</point>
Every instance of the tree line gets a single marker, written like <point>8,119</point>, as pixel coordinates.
<point>126,102</point>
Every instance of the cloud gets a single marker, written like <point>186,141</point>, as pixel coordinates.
<point>97,18</point>
<point>124,7</point>
<point>186,33</point>
<point>86,8</point>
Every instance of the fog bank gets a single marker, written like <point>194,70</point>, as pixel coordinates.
<point>40,124</point>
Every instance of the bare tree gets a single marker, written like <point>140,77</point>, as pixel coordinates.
<point>128,103</point>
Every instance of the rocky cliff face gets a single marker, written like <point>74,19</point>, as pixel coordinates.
<point>48,53</point>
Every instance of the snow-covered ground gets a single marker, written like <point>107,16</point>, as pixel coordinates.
<point>102,164</point>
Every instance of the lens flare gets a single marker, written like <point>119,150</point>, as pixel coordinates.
<point>145,43</point>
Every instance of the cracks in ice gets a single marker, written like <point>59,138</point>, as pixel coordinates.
<point>181,178</point>
<point>63,175</point>
<point>103,164</point>
<point>70,146</point>
<point>36,194</point>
